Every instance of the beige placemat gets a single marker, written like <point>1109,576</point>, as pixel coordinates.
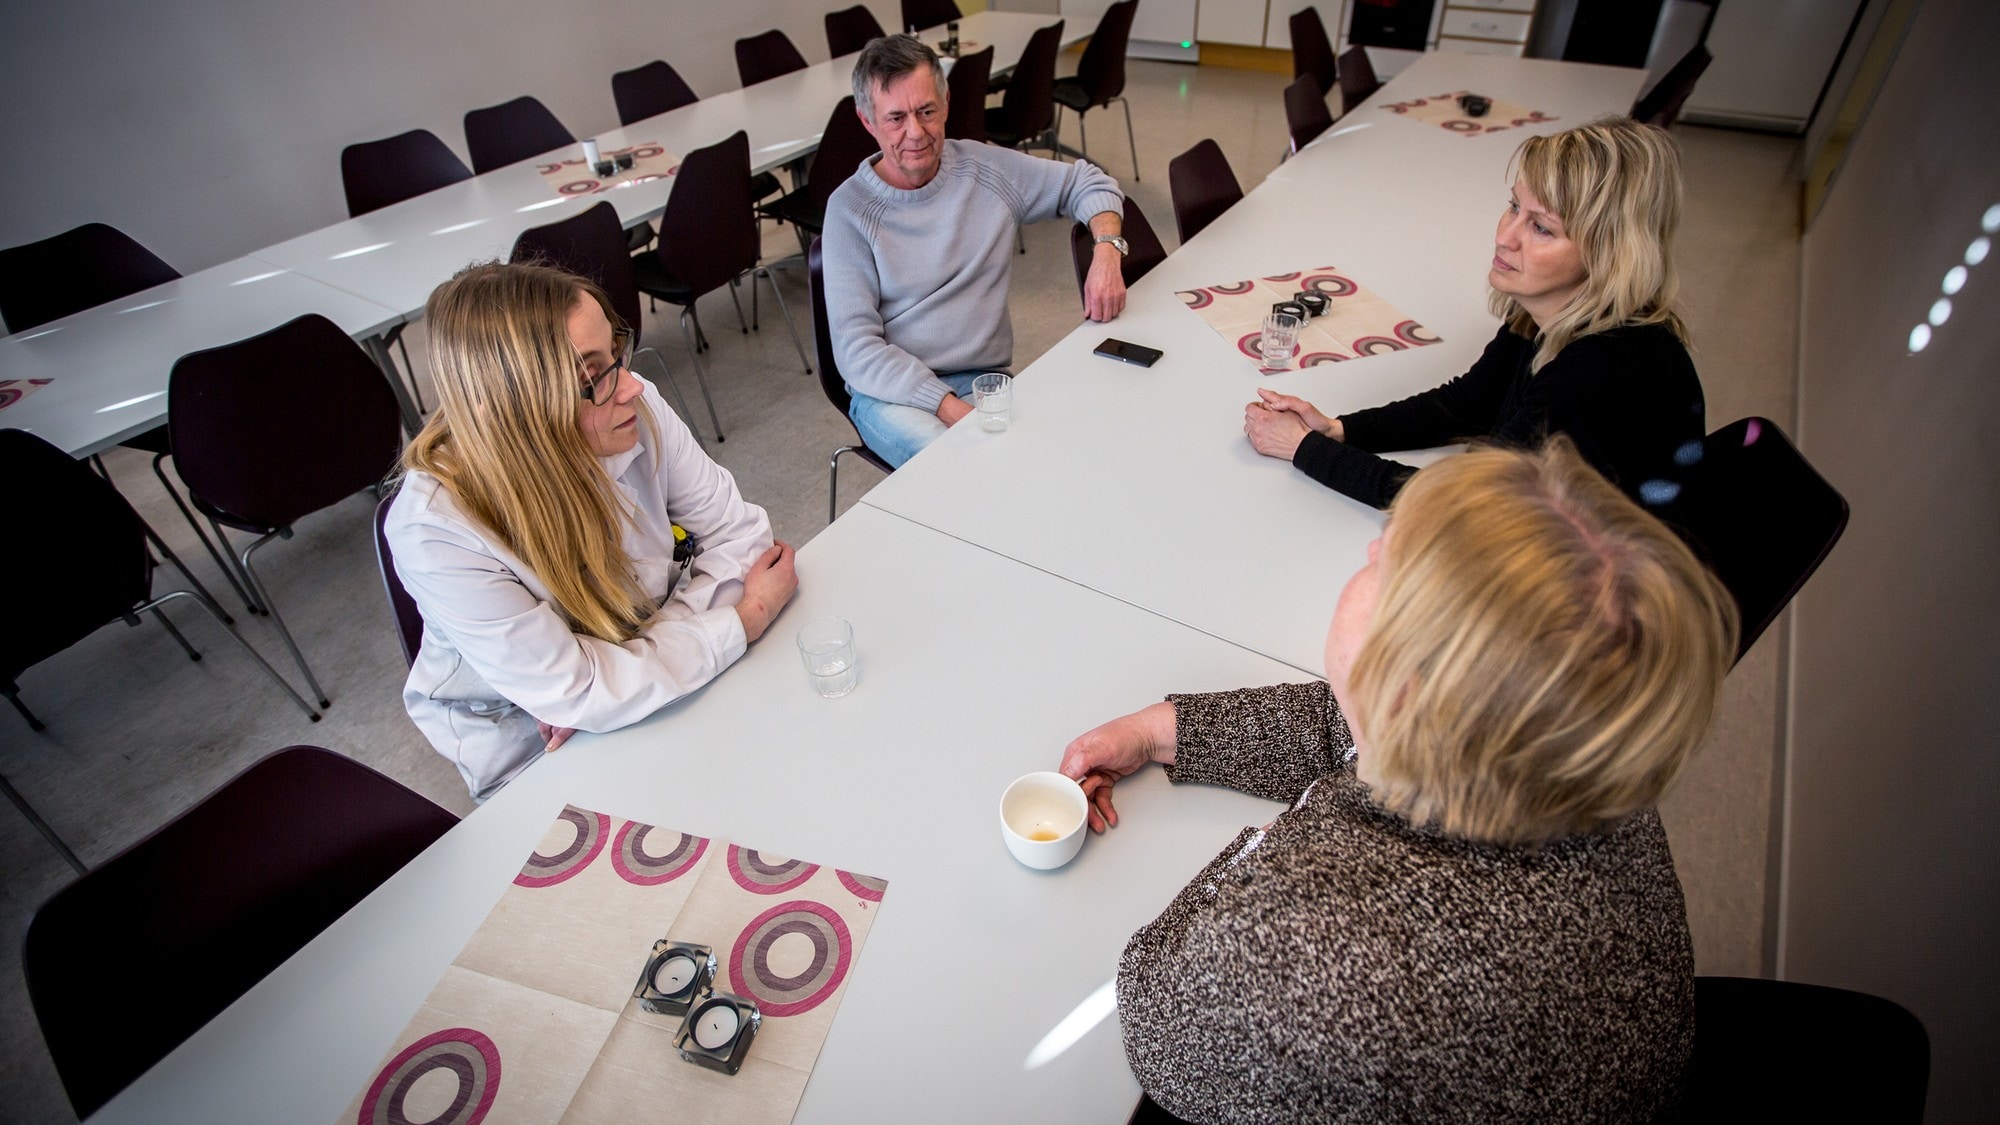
<point>534,1021</point>
<point>1357,323</point>
<point>1444,111</point>
<point>650,162</point>
<point>14,390</point>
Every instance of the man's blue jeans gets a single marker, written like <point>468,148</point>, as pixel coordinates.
<point>896,432</point>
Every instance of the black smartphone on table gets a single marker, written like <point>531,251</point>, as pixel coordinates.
<point>1129,353</point>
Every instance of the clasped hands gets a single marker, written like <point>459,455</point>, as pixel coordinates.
<point>1277,423</point>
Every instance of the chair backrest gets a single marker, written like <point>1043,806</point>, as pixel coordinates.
<point>761,58</point>
<point>850,29</point>
<point>1146,251</point>
<point>1312,52</point>
<point>1306,114</point>
<point>268,429</point>
<point>588,244</point>
<point>222,895</point>
<point>830,380</point>
<point>920,14</point>
<point>649,91</point>
<point>842,148</point>
<point>1101,71</point>
<point>379,173</point>
<point>1029,103</point>
<point>1357,78</point>
<point>511,132</point>
<point>79,269</point>
<point>1781,1051</point>
<point>1202,186</point>
<point>708,233</point>
<point>965,119</point>
<point>1758,514</point>
<point>1662,104</point>
<point>403,607</point>
<point>104,570</point>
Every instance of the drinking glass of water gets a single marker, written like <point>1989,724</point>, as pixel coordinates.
<point>826,644</point>
<point>1280,339</point>
<point>993,395</point>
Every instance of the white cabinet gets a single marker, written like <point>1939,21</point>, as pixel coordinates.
<point>1278,25</point>
<point>1239,22</point>
<point>1487,27</point>
<point>1163,21</point>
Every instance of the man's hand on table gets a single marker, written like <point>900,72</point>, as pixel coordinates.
<point>951,408</point>
<point>1104,285</point>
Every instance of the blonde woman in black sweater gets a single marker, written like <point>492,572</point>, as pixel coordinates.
<point>1470,912</point>
<point>1590,343</point>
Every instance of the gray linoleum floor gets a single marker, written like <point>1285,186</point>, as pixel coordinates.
<point>137,732</point>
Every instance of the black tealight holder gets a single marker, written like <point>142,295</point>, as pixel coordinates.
<point>675,974</point>
<point>624,160</point>
<point>1474,105</point>
<point>717,1031</point>
<point>605,168</point>
<point>1295,308</point>
<point>1315,304</point>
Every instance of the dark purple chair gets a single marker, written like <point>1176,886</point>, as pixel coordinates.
<point>511,132</point>
<point>1773,1050</point>
<point>80,269</point>
<point>921,14</point>
<point>1357,78</point>
<point>649,91</point>
<point>965,117</point>
<point>1661,105</point>
<point>221,895</point>
<point>1306,115</point>
<point>590,244</point>
<point>1756,512</point>
<point>850,29</point>
<point>760,58</point>
<point>1026,116</point>
<point>403,607</point>
<point>842,148</point>
<point>708,239</point>
<point>1146,251</point>
<point>831,382</point>
<point>1203,188</point>
<point>1312,53</point>
<point>1100,76</point>
<point>105,572</point>
<point>380,173</point>
<point>273,428</point>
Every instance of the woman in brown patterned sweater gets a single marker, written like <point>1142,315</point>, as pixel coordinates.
<point>1469,912</point>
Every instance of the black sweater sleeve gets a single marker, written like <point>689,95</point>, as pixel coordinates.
<point>1468,406</point>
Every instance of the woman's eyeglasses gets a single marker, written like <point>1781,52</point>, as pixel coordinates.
<point>599,388</point>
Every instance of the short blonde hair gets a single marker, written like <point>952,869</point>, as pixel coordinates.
<point>505,441</point>
<point>1545,655</point>
<point>1616,186</point>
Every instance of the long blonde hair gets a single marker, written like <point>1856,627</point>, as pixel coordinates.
<point>1545,656</point>
<point>1616,186</point>
<point>506,443</point>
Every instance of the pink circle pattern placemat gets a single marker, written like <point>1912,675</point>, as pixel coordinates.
<point>1356,324</point>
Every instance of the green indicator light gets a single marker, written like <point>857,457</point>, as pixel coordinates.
<point>1186,43</point>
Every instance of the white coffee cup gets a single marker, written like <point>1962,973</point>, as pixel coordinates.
<point>1042,819</point>
<point>590,153</point>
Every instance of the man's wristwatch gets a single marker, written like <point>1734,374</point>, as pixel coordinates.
<point>1118,243</point>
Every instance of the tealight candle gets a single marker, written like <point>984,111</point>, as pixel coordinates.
<point>674,975</point>
<point>716,1025</point>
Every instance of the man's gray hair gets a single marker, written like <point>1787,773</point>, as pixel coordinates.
<point>886,59</point>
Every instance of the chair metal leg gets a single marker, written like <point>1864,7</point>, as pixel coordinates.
<point>215,611</point>
<point>160,471</point>
<point>1130,137</point>
<point>786,312</point>
<point>410,374</point>
<point>833,481</point>
<point>672,385</point>
<point>700,378</point>
<point>378,350</point>
<point>42,826</point>
<point>13,694</point>
<point>700,337</point>
<point>193,653</point>
<point>264,596</point>
<point>738,302</point>
<point>235,571</point>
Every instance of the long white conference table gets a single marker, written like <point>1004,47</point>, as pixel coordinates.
<point>1139,483</point>
<point>996,618</point>
<point>109,365</point>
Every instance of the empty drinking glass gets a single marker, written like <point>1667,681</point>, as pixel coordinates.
<point>993,395</point>
<point>1280,338</point>
<point>826,644</point>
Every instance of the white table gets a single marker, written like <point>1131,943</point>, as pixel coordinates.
<point>110,364</point>
<point>900,779</point>
<point>1139,483</point>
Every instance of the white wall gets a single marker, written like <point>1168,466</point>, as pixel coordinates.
<point>209,128</point>
<point>1892,868</point>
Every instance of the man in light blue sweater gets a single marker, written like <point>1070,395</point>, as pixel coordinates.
<point>919,249</point>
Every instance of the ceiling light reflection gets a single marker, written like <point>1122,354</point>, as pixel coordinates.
<point>560,199</point>
<point>129,402</point>
<point>1920,338</point>
<point>456,227</point>
<point>1940,311</point>
<point>147,305</point>
<point>257,277</point>
<point>1976,253</point>
<point>359,250</point>
<point>1954,280</point>
<point>1990,222</point>
<point>1076,1025</point>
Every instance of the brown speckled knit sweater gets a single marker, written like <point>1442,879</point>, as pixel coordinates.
<point>1352,967</point>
